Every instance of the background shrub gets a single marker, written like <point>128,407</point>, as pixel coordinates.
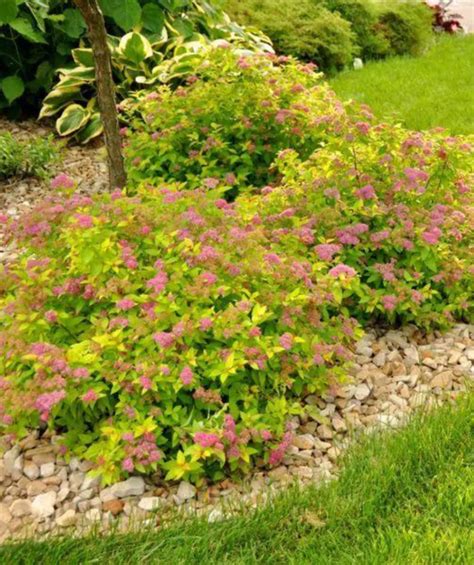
<point>353,27</point>
<point>407,27</point>
<point>362,15</point>
<point>30,158</point>
<point>303,28</point>
<point>162,331</point>
<point>226,127</point>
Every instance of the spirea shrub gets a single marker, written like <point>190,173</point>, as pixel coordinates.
<point>164,331</point>
<point>391,207</point>
<point>228,125</point>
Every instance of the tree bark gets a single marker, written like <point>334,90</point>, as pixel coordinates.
<point>105,89</point>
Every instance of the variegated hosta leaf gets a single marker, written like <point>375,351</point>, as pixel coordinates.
<point>135,47</point>
<point>57,99</point>
<point>72,119</point>
<point>93,129</point>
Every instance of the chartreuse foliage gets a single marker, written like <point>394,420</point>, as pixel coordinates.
<point>402,497</point>
<point>228,125</point>
<point>162,332</point>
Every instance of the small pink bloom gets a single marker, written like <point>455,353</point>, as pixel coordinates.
<point>127,465</point>
<point>146,383</point>
<point>286,341</point>
<point>208,278</point>
<point>366,192</point>
<point>51,316</point>
<point>164,339</point>
<point>342,269</point>
<point>326,251</point>
<point>125,304</point>
<point>186,376</point>
<point>62,181</point>
<point>205,324</point>
<point>90,396</point>
<point>84,221</point>
<point>389,302</point>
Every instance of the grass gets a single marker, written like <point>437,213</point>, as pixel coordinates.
<point>401,498</point>
<point>434,90</point>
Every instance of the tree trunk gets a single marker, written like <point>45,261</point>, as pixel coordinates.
<point>105,89</point>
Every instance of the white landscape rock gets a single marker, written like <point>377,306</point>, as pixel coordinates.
<point>304,441</point>
<point>69,518</point>
<point>31,470</point>
<point>362,391</point>
<point>21,507</point>
<point>134,486</point>
<point>150,503</point>
<point>43,504</point>
<point>186,490</point>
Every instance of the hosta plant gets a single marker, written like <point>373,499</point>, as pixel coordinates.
<point>164,44</point>
<point>226,127</point>
<point>164,332</point>
<point>391,207</point>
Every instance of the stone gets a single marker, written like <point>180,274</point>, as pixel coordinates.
<point>215,515</point>
<point>442,380</point>
<point>279,474</point>
<point>31,470</point>
<point>115,507</point>
<point>362,391</point>
<point>150,503</point>
<point>380,359</point>
<point>5,514</point>
<point>338,424</point>
<point>47,470</point>
<point>63,494</point>
<point>325,432</point>
<point>186,491</point>
<point>134,486</point>
<point>35,488</point>
<point>69,518</point>
<point>20,508</point>
<point>93,515</point>
<point>302,472</point>
<point>304,441</point>
<point>9,459</point>
<point>43,504</point>
<point>90,483</point>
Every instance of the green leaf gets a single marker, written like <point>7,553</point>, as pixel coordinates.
<point>25,29</point>
<point>72,119</point>
<point>12,87</point>
<point>8,11</point>
<point>57,99</point>
<point>73,24</point>
<point>153,18</point>
<point>135,47</point>
<point>125,13</point>
<point>83,57</point>
<point>93,129</point>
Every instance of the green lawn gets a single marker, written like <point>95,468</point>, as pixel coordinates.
<point>402,498</point>
<point>434,90</point>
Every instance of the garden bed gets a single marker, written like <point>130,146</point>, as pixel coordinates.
<point>395,373</point>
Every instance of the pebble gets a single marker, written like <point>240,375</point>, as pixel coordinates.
<point>186,491</point>
<point>150,503</point>
<point>43,504</point>
<point>69,518</point>
<point>134,486</point>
